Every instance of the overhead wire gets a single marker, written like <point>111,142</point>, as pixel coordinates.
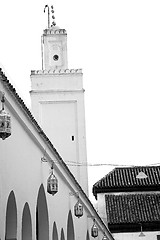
<point>80,164</point>
<point>71,163</point>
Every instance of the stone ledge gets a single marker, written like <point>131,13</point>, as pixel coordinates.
<point>56,71</point>
<point>54,31</point>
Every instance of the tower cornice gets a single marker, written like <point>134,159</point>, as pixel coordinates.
<point>57,71</point>
<point>52,31</point>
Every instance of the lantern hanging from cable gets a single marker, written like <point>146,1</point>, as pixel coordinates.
<point>5,121</point>
<point>78,209</point>
<point>104,237</point>
<point>52,183</point>
<point>94,230</point>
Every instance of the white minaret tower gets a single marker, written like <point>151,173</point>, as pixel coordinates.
<point>57,98</point>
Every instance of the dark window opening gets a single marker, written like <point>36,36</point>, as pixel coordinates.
<point>72,138</point>
<point>55,57</point>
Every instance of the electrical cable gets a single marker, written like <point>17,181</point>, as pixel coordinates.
<point>76,164</point>
<point>71,163</point>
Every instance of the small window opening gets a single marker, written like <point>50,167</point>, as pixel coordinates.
<point>72,138</point>
<point>55,57</point>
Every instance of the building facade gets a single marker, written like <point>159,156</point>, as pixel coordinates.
<point>42,195</point>
<point>129,200</point>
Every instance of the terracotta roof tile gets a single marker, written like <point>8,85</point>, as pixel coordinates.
<point>124,179</point>
<point>132,208</point>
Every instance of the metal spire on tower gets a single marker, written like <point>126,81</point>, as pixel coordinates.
<point>53,17</point>
<point>46,6</point>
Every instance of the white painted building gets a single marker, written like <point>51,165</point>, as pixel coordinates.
<point>28,210</point>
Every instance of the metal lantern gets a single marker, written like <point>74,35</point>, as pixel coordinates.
<point>104,237</point>
<point>5,122</point>
<point>52,183</point>
<point>78,209</point>
<point>94,230</point>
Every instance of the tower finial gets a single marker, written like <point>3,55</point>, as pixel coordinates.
<point>46,6</point>
<point>53,17</point>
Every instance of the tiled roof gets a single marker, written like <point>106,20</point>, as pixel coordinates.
<point>124,179</point>
<point>132,208</point>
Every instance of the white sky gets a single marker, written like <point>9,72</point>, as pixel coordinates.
<point>117,43</point>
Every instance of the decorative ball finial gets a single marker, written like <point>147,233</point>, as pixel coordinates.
<point>53,17</point>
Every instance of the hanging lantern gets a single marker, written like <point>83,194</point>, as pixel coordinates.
<point>52,183</point>
<point>94,230</point>
<point>78,209</point>
<point>104,238</point>
<point>5,122</point>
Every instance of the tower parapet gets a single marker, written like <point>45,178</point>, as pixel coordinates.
<point>51,31</point>
<point>57,71</point>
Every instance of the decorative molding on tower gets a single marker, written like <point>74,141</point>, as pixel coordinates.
<point>56,71</point>
<point>51,31</point>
